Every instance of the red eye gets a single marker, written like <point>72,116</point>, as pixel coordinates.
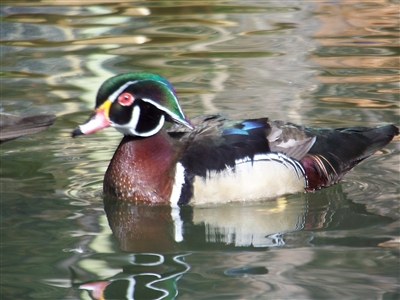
<point>125,99</point>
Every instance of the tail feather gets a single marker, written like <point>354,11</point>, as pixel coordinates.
<point>337,151</point>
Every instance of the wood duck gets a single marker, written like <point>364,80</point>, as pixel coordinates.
<point>212,159</point>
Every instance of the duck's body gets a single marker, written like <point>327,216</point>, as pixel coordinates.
<point>211,159</point>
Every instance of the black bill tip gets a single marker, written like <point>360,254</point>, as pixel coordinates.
<point>77,131</point>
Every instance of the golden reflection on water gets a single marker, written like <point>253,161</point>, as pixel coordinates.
<point>119,40</point>
<point>360,42</point>
<point>358,36</point>
<point>362,62</point>
<point>362,78</point>
<point>358,102</point>
<point>352,18</point>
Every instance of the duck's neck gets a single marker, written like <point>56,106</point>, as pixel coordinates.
<point>142,169</point>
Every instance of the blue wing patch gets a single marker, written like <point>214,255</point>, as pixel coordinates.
<point>233,130</point>
<point>252,124</point>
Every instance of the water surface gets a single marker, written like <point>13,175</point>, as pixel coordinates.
<point>321,64</point>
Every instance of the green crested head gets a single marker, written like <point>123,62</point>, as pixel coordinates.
<point>114,85</point>
<point>138,104</point>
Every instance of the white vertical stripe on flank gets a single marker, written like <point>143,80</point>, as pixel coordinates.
<point>178,184</point>
<point>175,196</point>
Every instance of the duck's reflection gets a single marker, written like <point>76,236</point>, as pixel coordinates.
<point>144,276</point>
<point>162,229</point>
<point>159,235</point>
<point>143,228</point>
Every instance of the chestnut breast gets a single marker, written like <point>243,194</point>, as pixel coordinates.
<point>142,169</point>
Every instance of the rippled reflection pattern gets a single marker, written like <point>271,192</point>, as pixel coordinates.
<point>315,63</point>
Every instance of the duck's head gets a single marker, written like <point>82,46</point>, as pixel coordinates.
<point>135,104</point>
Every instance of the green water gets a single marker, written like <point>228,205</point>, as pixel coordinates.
<point>331,64</point>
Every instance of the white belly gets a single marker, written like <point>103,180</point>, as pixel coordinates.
<point>271,175</point>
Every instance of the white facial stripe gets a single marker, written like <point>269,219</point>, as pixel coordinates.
<point>130,128</point>
<point>170,91</point>
<point>135,116</point>
<point>160,107</point>
<point>115,95</point>
<point>155,130</point>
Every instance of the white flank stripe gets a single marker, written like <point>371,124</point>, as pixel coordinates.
<point>175,195</point>
<point>178,184</point>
